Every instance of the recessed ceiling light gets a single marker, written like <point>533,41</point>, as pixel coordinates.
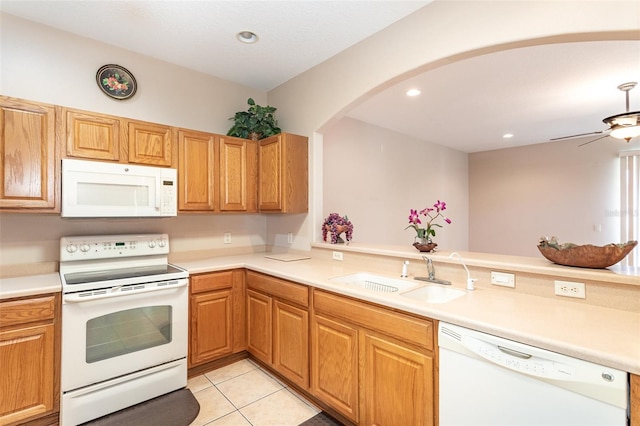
<point>507,135</point>
<point>247,37</point>
<point>413,92</point>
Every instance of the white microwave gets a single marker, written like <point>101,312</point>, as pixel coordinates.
<point>99,189</point>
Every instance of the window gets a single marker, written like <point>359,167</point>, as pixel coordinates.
<point>629,203</point>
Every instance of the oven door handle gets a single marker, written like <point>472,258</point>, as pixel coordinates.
<point>117,292</point>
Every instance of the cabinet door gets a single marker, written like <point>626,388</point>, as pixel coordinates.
<point>259,325</point>
<point>334,370</point>
<point>634,415</point>
<point>283,174</point>
<point>398,384</point>
<point>238,174</point>
<point>291,342</point>
<point>211,326</point>
<point>196,171</point>
<point>270,174</point>
<point>29,162</point>
<point>93,136</point>
<point>150,144</point>
<point>27,379</point>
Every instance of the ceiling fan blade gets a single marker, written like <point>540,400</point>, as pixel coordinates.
<point>578,135</point>
<point>593,140</point>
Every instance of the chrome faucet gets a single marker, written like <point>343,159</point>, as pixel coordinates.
<point>470,280</point>
<point>430,268</point>
<point>431,278</point>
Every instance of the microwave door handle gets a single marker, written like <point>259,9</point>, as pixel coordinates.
<point>158,183</point>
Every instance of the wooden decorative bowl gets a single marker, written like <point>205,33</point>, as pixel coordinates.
<point>585,256</point>
<point>425,247</point>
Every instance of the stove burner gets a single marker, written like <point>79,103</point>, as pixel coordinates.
<point>151,273</point>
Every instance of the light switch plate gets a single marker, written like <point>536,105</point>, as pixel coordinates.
<point>503,279</point>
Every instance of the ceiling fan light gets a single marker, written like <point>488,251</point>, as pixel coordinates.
<point>625,132</point>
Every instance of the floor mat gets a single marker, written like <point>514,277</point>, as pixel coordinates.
<point>321,419</point>
<point>176,408</point>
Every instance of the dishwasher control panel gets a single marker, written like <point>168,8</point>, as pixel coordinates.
<point>519,361</point>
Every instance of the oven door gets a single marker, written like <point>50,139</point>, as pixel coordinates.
<point>113,333</point>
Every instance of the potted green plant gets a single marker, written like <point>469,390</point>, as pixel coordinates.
<point>255,123</point>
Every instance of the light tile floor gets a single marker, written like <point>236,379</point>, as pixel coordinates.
<point>243,394</point>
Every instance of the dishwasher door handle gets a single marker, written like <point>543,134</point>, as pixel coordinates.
<point>512,352</point>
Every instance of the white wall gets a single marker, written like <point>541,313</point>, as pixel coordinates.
<point>557,189</point>
<point>42,64</point>
<point>375,176</point>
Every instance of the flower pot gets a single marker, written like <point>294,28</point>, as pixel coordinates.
<point>339,230</point>
<point>424,244</point>
<point>254,136</point>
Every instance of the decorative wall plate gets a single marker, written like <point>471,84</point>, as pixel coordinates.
<point>116,81</point>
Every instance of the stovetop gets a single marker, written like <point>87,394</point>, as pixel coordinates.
<point>103,261</point>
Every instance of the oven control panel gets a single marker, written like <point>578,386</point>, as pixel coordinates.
<point>112,246</point>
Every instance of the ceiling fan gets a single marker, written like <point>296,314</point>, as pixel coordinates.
<point>621,126</point>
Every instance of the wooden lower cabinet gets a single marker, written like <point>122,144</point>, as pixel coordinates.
<point>278,325</point>
<point>216,325</point>
<point>334,370</point>
<point>634,416</point>
<point>291,342</point>
<point>259,326</point>
<point>372,364</point>
<point>398,383</point>
<point>29,358</point>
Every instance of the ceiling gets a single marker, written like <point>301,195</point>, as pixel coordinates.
<point>536,93</point>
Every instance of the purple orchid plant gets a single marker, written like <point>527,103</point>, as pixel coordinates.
<point>432,213</point>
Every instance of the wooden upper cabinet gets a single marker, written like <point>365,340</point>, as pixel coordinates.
<point>283,174</point>
<point>29,166</point>
<point>93,136</point>
<point>238,174</point>
<point>196,171</point>
<point>108,138</point>
<point>150,144</point>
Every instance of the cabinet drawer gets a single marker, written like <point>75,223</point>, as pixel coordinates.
<point>282,289</point>
<point>212,281</point>
<point>27,310</point>
<point>395,324</point>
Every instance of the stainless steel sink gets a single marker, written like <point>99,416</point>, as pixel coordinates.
<point>373,282</point>
<point>433,294</point>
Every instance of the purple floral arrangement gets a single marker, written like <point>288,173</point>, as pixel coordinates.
<point>336,225</point>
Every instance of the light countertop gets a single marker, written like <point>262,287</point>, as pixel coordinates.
<point>29,285</point>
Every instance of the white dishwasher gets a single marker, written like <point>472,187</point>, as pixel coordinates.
<point>488,380</point>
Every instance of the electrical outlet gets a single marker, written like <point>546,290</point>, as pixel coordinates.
<point>227,237</point>
<point>290,238</point>
<point>503,279</point>
<point>337,255</point>
<point>570,289</point>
